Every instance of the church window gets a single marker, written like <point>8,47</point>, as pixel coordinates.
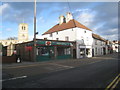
<point>24,28</point>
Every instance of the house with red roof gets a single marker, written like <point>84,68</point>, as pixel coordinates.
<point>68,29</point>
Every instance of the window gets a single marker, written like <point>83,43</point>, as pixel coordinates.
<point>56,32</point>
<point>45,38</point>
<point>67,51</point>
<point>96,50</point>
<point>84,31</point>
<point>95,42</point>
<point>57,38</point>
<point>24,28</point>
<point>51,35</point>
<point>67,38</point>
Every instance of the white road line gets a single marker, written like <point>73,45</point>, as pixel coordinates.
<point>95,62</point>
<point>61,65</point>
<point>14,78</point>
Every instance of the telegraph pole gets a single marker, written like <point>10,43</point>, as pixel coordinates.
<point>34,40</point>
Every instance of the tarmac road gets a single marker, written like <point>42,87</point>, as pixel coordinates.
<point>96,72</point>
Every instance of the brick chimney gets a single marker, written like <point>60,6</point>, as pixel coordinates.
<point>68,17</point>
<point>61,19</point>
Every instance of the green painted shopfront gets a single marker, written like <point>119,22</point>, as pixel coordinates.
<point>46,50</point>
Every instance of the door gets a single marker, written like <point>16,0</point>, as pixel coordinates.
<point>92,52</point>
<point>74,53</point>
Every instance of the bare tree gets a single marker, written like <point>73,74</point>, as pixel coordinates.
<point>12,38</point>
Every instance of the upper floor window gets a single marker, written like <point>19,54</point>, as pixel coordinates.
<point>45,38</point>
<point>57,38</point>
<point>51,35</point>
<point>84,31</point>
<point>66,38</point>
<point>56,32</point>
<point>24,28</point>
<point>95,42</point>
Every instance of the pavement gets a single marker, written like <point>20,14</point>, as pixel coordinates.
<point>95,72</point>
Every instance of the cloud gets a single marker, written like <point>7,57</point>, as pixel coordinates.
<point>86,16</point>
<point>8,29</point>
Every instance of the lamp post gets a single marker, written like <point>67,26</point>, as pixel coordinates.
<point>34,40</point>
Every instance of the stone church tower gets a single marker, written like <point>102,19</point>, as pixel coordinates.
<point>23,32</point>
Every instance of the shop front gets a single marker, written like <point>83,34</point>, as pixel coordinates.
<point>47,50</point>
<point>85,51</point>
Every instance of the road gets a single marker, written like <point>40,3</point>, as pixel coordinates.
<point>96,72</point>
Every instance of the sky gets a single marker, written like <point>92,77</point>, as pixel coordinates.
<point>100,17</point>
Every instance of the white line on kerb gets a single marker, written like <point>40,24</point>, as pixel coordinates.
<point>14,78</point>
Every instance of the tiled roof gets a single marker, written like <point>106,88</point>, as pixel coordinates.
<point>97,37</point>
<point>71,24</point>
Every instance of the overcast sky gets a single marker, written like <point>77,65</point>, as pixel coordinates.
<point>100,17</point>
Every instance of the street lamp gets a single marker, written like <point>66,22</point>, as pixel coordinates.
<point>34,40</point>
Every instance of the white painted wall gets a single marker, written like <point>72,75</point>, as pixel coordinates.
<point>71,33</point>
<point>99,46</point>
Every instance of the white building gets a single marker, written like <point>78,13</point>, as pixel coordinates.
<point>116,46</point>
<point>69,29</point>
<point>99,45</point>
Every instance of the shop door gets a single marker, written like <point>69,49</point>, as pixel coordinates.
<point>74,53</point>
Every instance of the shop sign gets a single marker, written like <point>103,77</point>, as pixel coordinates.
<point>48,43</point>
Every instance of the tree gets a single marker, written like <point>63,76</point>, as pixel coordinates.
<point>12,38</point>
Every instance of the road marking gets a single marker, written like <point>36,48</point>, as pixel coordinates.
<point>21,66</point>
<point>61,65</point>
<point>14,78</point>
<point>114,82</point>
<point>95,62</point>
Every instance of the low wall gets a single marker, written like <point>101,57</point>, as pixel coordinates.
<point>8,59</point>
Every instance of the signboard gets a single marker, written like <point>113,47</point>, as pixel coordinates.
<point>49,43</point>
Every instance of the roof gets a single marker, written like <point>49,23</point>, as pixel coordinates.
<point>71,24</point>
<point>98,37</point>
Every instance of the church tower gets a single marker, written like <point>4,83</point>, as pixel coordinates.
<point>23,32</point>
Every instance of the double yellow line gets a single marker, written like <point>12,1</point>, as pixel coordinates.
<point>114,83</point>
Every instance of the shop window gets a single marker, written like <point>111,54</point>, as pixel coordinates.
<point>43,51</point>
<point>88,52</point>
<point>67,51</point>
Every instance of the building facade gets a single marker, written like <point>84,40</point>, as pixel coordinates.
<point>22,37</point>
<point>69,29</point>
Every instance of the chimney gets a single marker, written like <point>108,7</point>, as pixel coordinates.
<point>68,17</point>
<point>61,19</point>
